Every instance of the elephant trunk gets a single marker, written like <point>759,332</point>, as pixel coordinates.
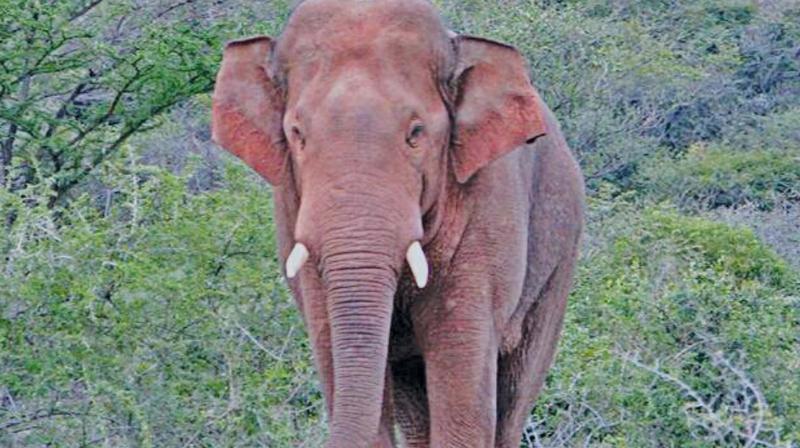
<point>359,271</point>
<point>360,313</point>
<point>358,225</point>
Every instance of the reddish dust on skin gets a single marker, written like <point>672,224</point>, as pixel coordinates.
<point>250,143</point>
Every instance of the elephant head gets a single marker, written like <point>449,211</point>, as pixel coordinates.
<point>371,111</point>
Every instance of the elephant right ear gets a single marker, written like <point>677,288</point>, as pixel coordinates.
<point>248,108</point>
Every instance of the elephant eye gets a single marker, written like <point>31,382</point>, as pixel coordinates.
<point>414,135</point>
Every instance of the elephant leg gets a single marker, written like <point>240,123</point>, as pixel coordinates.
<point>411,402</point>
<point>460,352</point>
<point>522,371</point>
<point>386,437</point>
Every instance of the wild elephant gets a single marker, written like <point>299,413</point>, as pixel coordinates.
<point>428,212</point>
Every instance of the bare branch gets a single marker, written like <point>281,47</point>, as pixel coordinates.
<point>85,10</point>
<point>100,156</point>
<point>713,422</point>
<point>173,8</point>
<point>52,413</point>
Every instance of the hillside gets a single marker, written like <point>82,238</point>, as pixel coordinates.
<point>141,303</point>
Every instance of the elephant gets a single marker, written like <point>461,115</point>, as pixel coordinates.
<point>428,215</point>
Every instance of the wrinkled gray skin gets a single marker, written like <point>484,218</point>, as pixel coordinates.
<point>378,128</point>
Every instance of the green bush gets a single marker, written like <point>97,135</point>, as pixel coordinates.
<point>680,331</point>
<point>160,320</point>
<point>779,131</point>
<point>718,176</point>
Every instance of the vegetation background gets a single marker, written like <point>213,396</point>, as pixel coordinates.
<point>140,299</point>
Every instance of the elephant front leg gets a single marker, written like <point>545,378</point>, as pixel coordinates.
<point>386,437</point>
<point>460,352</point>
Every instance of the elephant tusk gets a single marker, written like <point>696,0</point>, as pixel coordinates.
<point>418,264</point>
<point>296,260</point>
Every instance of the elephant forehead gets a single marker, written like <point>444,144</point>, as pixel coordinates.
<point>321,28</point>
<point>321,12</point>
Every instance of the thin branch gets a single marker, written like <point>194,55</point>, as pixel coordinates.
<point>62,190</point>
<point>111,108</point>
<point>258,344</point>
<point>85,10</point>
<point>688,390</point>
<point>7,149</point>
<point>62,111</point>
<point>174,7</point>
<point>39,416</point>
<point>31,70</point>
<point>752,440</point>
<point>716,423</point>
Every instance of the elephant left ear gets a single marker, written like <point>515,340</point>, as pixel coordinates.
<point>496,107</point>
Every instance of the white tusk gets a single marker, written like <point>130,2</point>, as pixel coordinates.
<point>419,265</point>
<point>296,260</point>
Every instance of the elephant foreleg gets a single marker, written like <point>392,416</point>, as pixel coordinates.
<point>386,437</point>
<point>460,352</point>
<point>411,402</point>
<point>523,370</point>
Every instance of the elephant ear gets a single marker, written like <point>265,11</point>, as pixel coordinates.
<point>248,107</point>
<point>496,107</point>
